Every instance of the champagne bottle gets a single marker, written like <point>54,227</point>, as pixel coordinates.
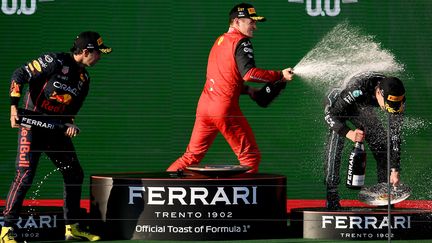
<point>356,167</point>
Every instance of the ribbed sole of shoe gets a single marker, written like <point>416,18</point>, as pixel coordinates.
<point>74,238</point>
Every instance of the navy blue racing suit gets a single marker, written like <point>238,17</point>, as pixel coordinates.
<point>57,87</point>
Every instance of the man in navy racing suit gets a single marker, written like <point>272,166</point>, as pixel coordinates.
<point>356,103</point>
<point>58,84</point>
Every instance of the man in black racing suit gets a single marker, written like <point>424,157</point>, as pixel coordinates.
<point>356,103</point>
<point>57,83</point>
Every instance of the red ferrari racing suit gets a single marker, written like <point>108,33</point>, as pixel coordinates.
<point>230,63</point>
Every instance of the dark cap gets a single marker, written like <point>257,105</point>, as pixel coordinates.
<point>394,94</point>
<point>90,40</point>
<point>245,10</point>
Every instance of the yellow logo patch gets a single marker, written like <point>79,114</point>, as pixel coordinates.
<point>251,10</point>
<point>392,110</point>
<point>37,66</point>
<point>100,41</point>
<point>15,90</point>
<point>106,50</point>
<point>220,40</point>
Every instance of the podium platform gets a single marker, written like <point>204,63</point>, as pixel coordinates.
<point>361,223</point>
<point>39,223</point>
<point>189,206</point>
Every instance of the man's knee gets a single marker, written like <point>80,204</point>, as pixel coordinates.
<point>192,158</point>
<point>73,175</point>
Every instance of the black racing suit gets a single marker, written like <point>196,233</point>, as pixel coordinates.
<point>357,104</point>
<point>57,87</point>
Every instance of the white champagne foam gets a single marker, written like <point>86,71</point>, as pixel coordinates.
<point>343,53</point>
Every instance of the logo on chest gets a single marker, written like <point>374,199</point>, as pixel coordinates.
<point>61,98</point>
<point>66,88</point>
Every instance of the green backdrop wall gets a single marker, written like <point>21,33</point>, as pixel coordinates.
<point>141,107</point>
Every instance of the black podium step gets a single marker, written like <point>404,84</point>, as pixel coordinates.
<point>38,223</point>
<point>165,206</point>
<point>357,223</point>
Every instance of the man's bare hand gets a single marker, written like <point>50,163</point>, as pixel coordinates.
<point>72,130</point>
<point>394,178</point>
<point>288,74</point>
<point>356,135</point>
<point>14,116</point>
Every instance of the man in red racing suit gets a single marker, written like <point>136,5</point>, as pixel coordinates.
<point>230,64</point>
